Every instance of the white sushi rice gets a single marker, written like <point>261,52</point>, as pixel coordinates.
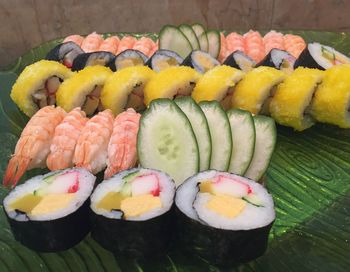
<point>114,184</point>
<point>193,204</point>
<point>86,184</point>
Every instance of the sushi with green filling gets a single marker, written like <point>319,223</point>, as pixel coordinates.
<point>102,58</point>
<point>163,59</point>
<point>128,58</point>
<point>51,212</point>
<point>200,61</point>
<point>65,53</point>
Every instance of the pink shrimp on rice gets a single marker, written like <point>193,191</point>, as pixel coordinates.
<point>77,39</point>
<point>294,44</point>
<point>144,45</point>
<point>224,52</point>
<point>110,45</point>
<point>92,42</point>
<point>273,40</point>
<point>235,42</point>
<point>127,42</point>
<point>254,45</point>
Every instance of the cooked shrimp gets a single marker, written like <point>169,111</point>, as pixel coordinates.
<point>154,48</point>
<point>122,153</point>
<point>126,42</point>
<point>91,149</point>
<point>65,139</point>
<point>144,45</point>
<point>294,44</point>
<point>223,49</point>
<point>92,42</point>
<point>110,45</point>
<point>254,45</point>
<point>273,40</point>
<point>33,146</point>
<point>235,42</point>
<point>74,38</point>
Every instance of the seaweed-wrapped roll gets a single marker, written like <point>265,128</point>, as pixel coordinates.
<point>132,213</point>
<point>65,53</point>
<point>224,218</point>
<point>128,58</point>
<point>163,59</point>
<point>279,59</point>
<point>103,58</point>
<point>51,212</point>
<point>200,61</point>
<point>239,60</point>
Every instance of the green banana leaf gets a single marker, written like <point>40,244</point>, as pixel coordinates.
<point>309,178</point>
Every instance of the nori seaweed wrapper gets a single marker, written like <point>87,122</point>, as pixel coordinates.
<point>306,60</point>
<point>101,57</point>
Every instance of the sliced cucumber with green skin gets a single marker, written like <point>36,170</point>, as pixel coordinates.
<point>172,38</point>
<point>200,128</point>
<point>265,140</point>
<point>243,140</point>
<point>214,43</point>
<point>131,176</point>
<point>166,141</point>
<point>190,35</point>
<point>202,36</point>
<point>220,133</point>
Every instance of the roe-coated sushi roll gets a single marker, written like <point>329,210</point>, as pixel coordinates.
<point>65,53</point>
<point>239,60</point>
<point>132,213</point>
<point>128,58</point>
<point>201,61</point>
<point>102,58</point>
<point>223,218</point>
<point>163,59</point>
<point>279,59</point>
<point>51,212</point>
<point>37,85</point>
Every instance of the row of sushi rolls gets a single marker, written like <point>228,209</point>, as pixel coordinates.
<point>182,129</point>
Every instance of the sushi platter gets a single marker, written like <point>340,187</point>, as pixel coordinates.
<point>187,150</point>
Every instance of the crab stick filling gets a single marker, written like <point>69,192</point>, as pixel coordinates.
<point>92,101</point>
<point>46,95</point>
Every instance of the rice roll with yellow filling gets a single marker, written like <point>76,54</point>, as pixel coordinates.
<point>83,89</point>
<point>331,103</point>
<point>255,91</point>
<point>291,104</point>
<point>124,89</point>
<point>170,83</point>
<point>37,85</point>
<point>163,59</point>
<point>217,84</point>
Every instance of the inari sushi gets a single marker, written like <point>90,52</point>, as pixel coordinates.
<point>51,212</point>
<point>132,213</point>
<point>223,218</point>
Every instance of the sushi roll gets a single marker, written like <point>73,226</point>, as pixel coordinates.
<point>217,84</point>
<point>95,58</point>
<point>291,104</point>
<point>51,212</point>
<point>124,89</point>
<point>163,59</point>
<point>65,53</point>
<point>224,218</point>
<point>279,59</point>
<point>201,61</point>
<point>128,58</point>
<point>254,92</point>
<point>241,61</point>
<point>316,55</point>
<point>37,85</point>
<point>170,83</point>
<point>331,102</point>
<point>132,213</point>
<point>83,89</point>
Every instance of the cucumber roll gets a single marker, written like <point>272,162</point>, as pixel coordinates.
<point>124,89</point>
<point>132,213</point>
<point>201,61</point>
<point>163,59</point>
<point>239,60</point>
<point>255,91</point>
<point>224,218</point>
<point>37,85</point>
<point>217,84</point>
<point>128,58</point>
<point>279,59</point>
<point>94,58</point>
<point>291,104</point>
<point>331,103</point>
<point>83,89</point>
<point>65,53</point>
<point>170,83</point>
<point>51,212</point>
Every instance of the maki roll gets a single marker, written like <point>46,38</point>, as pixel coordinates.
<point>201,61</point>
<point>65,53</point>
<point>37,85</point>
<point>102,58</point>
<point>51,212</point>
<point>163,59</point>
<point>132,213</point>
<point>291,104</point>
<point>255,91</point>
<point>217,84</point>
<point>241,61</point>
<point>170,83</point>
<point>124,89</point>
<point>224,218</point>
<point>316,55</point>
<point>279,59</point>
<point>83,89</point>
<point>128,58</point>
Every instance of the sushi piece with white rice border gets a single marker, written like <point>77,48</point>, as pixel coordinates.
<point>200,61</point>
<point>127,58</point>
<point>163,59</point>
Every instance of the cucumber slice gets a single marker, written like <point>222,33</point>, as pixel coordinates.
<point>214,43</point>
<point>171,38</point>
<point>243,140</point>
<point>200,127</point>
<point>265,140</point>
<point>190,35</point>
<point>202,36</point>
<point>220,133</point>
<point>166,141</point>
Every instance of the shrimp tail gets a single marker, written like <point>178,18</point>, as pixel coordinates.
<point>109,172</point>
<point>15,170</point>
